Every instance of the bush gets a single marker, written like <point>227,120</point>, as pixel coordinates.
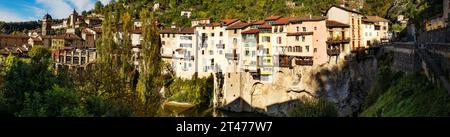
<point>314,108</point>
<point>411,96</point>
<point>197,91</point>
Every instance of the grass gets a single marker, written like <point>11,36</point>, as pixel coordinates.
<point>314,108</point>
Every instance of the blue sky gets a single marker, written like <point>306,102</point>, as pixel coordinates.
<point>27,10</point>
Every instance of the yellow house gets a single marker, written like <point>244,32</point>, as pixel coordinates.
<point>265,51</point>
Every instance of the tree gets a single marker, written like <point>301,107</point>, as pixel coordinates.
<point>149,64</point>
<point>98,7</point>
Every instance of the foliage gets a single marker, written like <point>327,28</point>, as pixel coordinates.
<point>411,95</point>
<point>314,108</point>
<point>197,91</point>
<point>8,28</point>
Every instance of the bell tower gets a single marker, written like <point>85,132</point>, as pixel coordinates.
<point>46,24</point>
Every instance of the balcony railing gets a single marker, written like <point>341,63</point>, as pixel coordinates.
<point>333,52</point>
<point>232,56</point>
<point>336,40</point>
<point>304,62</point>
<point>220,46</point>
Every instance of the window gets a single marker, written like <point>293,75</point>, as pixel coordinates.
<point>315,50</point>
<point>203,52</point>
<point>253,53</point>
<point>162,35</point>
<point>234,41</point>
<point>279,40</point>
<point>235,31</point>
<point>212,34</point>
<point>211,52</point>
<point>315,28</point>
<point>303,38</point>
<point>183,45</point>
<point>275,29</point>
<point>186,37</point>
<point>298,29</point>
<point>265,39</point>
<point>247,53</point>
<point>220,52</point>
<point>173,35</point>
<point>266,50</point>
<point>281,28</point>
<point>304,29</point>
<point>297,38</point>
<point>204,27</point>
<point>163,42</point>
<point>221,34</point>
<point>289,49</point>
<point>307,48</point>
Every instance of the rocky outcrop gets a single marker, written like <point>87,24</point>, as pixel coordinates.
<point>345,83</point>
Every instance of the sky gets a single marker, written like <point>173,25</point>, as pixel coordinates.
<point>33,10</point>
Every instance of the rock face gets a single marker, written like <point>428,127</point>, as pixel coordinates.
<point>345,83</point>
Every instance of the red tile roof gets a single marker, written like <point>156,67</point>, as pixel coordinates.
<point>68,36</point>
<point>259,22</point>
<point>335,24</point>
<point>184,30</point>
<point>214,24</point>
<point>230,21</point>
<point>302,19</point>
<point>375,19</point>
<point>187,30</point>
<point>272,18</point>
<point>265,26</point>
<point>251,31</point>
<point>281,21</point>
<point>239,25</point>
<point>169,31</point>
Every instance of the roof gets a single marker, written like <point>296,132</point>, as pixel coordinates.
<point>265,26</point>
<point>14,36</point>
<point>300,33</point>
<point>230,21</point>
<point>272,18</point>
<point>281,21</point>
<point>342,8</point>
<point>335,24</point>
<point>184,30</point>
<point>68,36</point>
<point>374,19</point>
<point>259,22</point>
<point>239,25</point>
<point>251,31</point>
<point>311,18</point>
<point>214,24</point>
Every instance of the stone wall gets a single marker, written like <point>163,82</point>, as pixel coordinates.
<point>435,36</point>
<point>344,83</point>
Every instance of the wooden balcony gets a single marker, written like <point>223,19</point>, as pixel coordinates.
<point>304,62</point>
<point>333,52</point>
<point>338,40</point>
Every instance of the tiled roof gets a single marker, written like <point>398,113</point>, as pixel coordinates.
<point>375,19</point>
<point>184,30</point>
<point>68,36</point>
<point>187,30</point>
<point>230,21</point>
<point>281,21</point>
<point>251,31</point>
<point>259,22</point>
<point>272,18</point>
<point>214,24</point>
<point>239,25</point>
<point>169,31</point>
<point>300,34</point>
<point>335,24</point>
<point>302,19</point>
<point>265,26</point>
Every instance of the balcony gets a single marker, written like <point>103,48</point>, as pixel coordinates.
<point>333,52</point>
<point>220,46</point>
<point>232,56</point>
<point>304,62</point>
<point>338,40</point>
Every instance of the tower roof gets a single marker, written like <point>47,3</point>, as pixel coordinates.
<point>47,17</point>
